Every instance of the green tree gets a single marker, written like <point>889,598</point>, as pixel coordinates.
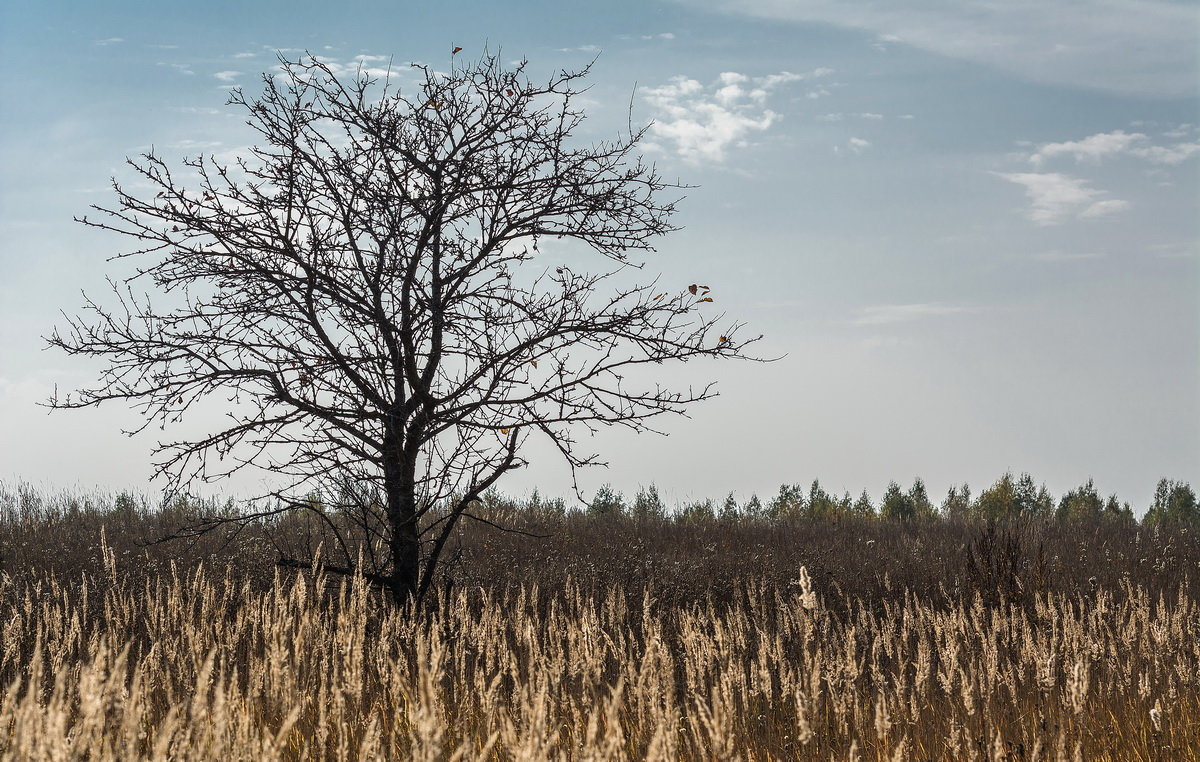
<point>1174,503</point>
<point>1010,498</point>
<point>845,504</point>
<point>1084,503</point>
<point>606,503</point>
<point>789,502</point>
<point>821,505</point>
<point>753,507</point>
<point>896,505</point>
<point>863,506</point>
<point>1032,500</point>
<point>1081,504</point>
<point>957,505</point>
<point>1116,510</point>
<point>729,510</point>
<point>922,508</point>
<point>647,504</point>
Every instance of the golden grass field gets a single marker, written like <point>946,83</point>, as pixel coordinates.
<point>765,642</point>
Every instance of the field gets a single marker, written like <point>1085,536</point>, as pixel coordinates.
<point>611,638</point>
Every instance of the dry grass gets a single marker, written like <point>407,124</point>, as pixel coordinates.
<point>834,649</point>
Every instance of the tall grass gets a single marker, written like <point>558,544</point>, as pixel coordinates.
<point>611,639</point>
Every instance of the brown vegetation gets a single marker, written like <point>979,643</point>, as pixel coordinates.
<point>612,638</point>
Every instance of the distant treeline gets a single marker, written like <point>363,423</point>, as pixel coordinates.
<point>1009,498</point>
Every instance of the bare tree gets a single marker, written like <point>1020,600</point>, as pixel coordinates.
<point>366,288</point>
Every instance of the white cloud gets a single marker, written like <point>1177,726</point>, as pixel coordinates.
<point>1175,154</point>
<point>837,117</point>
<point>1105,145</point>
<point>703,122</point>
<point>206,110</point>
<point>887,314</point>
<point>195,145</point>
<point>659,36</point>
<point>1090,149</point>
<point>1071,43</point>
<point>110,41</point>
<point>360,64</point>
<point>245,55</point>
<point>1054,197</point>
<point>858,145</point>
<point>1104,208</point>
<point>181,68</point>
<point>227,76</point>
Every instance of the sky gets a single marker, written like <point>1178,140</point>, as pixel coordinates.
<point>968,230</point>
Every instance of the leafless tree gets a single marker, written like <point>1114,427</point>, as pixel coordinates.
<point>366,288</point>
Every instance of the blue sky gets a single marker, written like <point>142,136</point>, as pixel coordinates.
<point>970,228</point>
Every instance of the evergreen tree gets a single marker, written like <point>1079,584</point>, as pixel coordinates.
<point>789,502</point>
<point>606,502</point>
<point>919,498</point>
<point>753,507</point>
<point>730,508</point>
<point>896,505</point>
<point>845,504</point>
<point>1115,510</point>
<point>535,502</point>
<point>648,504</point>
<point>863,506</point>
<point>821,505</point>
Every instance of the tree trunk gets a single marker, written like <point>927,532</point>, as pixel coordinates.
<point>405,543</point>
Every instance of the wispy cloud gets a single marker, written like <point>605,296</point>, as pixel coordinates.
<point>702,122</point>
<point>1069,43</point>
<point>839,116</point>
<point>659,36</point>
<point>181,68</point>
<point>1054,197</point>
<point>1104,207</point>
<point>228,76</point>
<point>110,41</point>
<point>1095,148</point>
<point>1090,149</point>
<point>888,314</point>
<point>206,110</point>
<point>195,145</point>
<point>362,64</point>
